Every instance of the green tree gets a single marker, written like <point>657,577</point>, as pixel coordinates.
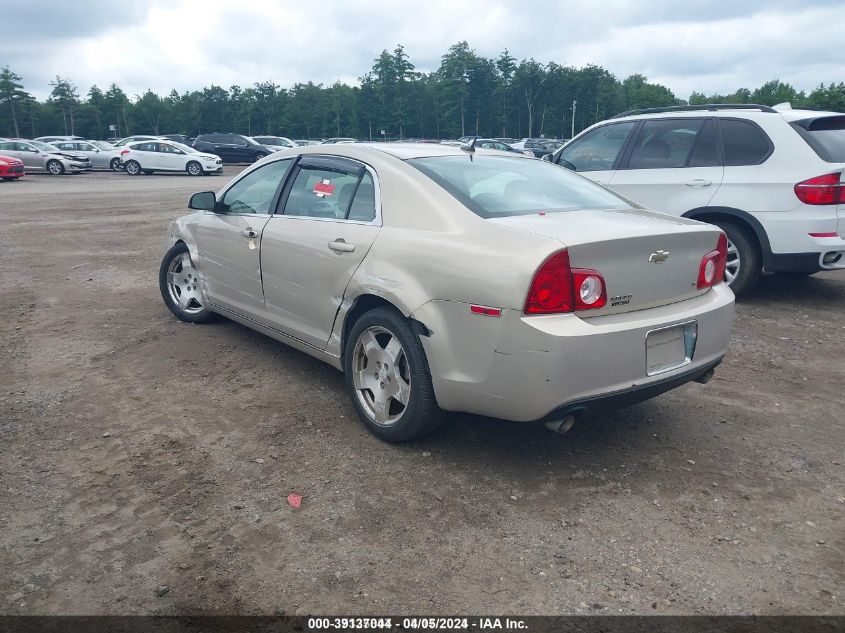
<point>65,95</point>
<point>12,96</point>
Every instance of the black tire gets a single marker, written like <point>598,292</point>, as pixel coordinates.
<point>750,260</point>
<point>420,415</point>
<point>192,314</point>
<point>55,168</point>
<point>114,164</point>
<point>133,168</point>
<point>258,156</point>
<point>194,168</point>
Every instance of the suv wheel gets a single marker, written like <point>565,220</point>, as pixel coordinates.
<point>744,263</point>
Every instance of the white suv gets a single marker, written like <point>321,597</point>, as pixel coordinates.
<point>771,178</point>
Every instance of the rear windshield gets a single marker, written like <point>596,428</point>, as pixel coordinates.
<point>826,135</point>
<point>500,186</point>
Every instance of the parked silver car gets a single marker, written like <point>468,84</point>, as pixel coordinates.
<point>100,158</point>
<point>40,156</point>
<point>440,278</point>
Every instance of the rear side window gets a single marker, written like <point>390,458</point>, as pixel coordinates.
<point>500,186</point>
<point>705,153</point>
<point>664,144</point>
<point>597,150</point>
<point>744,142</point>
<point>325,189</point>
<point>826,135</point>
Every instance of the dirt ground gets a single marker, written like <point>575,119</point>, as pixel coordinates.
<point>137,452</point>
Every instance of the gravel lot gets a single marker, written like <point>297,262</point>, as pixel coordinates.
<point>145,462</point>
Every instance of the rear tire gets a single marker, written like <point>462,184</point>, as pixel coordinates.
<point>133,168</point>
<point>115,164</point>
<point>744,260</point>
<point>55,167</point>
<point>194,168</point>
<point>258,156</point>
<point>388,377</point>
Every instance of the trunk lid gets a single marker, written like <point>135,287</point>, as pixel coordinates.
<point>647,259</point>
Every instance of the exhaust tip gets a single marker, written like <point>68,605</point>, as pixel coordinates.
<point>561,426</point>
<point>831,258</point>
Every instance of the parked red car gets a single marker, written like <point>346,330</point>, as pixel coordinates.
<point>10,168</point>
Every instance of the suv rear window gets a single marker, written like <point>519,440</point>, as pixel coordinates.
<point>501,186</point>
<point>826,135</point>
<point>744,142</point>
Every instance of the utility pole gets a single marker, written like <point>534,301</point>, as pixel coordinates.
<point>572,134</point>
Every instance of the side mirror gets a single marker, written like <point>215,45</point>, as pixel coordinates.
<point>203,201</point>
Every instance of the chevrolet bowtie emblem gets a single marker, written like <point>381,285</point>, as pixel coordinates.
<point>658,257</point>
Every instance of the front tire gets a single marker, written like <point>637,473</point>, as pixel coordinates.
<point>133,168</point>
<point>178,281</point>
<point>388,377</point>
<point>55,167</point>
<point>194,168</point>
<point>744,263</point>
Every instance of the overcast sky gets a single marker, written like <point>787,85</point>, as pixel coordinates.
<point>703,45</point>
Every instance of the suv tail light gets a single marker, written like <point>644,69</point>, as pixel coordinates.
<point>712,268</point>
<point>557,287</point>
<point>827,189</point>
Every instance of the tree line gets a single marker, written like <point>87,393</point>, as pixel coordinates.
<point>467,94</point>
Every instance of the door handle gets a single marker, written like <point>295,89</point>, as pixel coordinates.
<point>341,246</point>
<point>249,233</point>
<point>699,182</point>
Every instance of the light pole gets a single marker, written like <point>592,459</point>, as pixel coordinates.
<point>572,134</point>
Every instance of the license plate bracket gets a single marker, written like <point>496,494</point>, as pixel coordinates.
<point>671,347</point>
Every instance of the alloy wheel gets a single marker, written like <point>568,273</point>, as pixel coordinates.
<point>732,266</point>
<point>381,375</point>
<point>182,279</point>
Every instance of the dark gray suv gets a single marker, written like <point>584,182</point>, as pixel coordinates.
<point>232,148</point>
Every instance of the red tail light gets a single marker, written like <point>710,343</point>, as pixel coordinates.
<point>827,189</point>
<point>124,151</point>
<point>557,287</point>
<point>711,271</point>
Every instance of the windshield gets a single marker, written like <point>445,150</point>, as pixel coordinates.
<point>185,148</point>
<point>826,135</point>
<point>500,186</point>
<point>45,147</point>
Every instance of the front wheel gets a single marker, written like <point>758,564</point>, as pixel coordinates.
<point>744,263</point>
<point>133,168</point>
<point>178,281</point>
<point>388,377</point>
<point>194,168</point>
<point>115,164</point>
<point>55,168</point>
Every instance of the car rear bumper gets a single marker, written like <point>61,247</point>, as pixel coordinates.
<point>524,368</point>
<point>794,239</point>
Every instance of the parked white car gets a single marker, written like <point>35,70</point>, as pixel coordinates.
<point>146,157</point>
<point>100,158</point>
<point>447,278</point>
<point>771,178</point>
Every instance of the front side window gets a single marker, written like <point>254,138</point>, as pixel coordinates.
<point>166,148</point>
<point>744,142</point>
<point>663,144</point>
<point>597,150</point>
<point>501,186</point>
<point>255,192</point>
<point>326,189</point>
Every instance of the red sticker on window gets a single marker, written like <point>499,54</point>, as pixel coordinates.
<point>324,188</point>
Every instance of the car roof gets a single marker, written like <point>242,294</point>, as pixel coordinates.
<point>405,151</point>
<point>743,110</point>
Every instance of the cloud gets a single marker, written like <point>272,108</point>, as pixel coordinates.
<point>188,44</point>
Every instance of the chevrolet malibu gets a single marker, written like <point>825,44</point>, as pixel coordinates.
<point>443,278</point>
